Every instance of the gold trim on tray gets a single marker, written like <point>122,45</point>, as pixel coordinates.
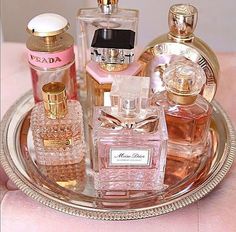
<point>23,171</point>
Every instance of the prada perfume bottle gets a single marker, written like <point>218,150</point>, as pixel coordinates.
<point>57,128</point>
<point>51,54</point>
<point>188,114</point>
<point>102,54</point>
<point>181,44</point>
<point>130,142</point>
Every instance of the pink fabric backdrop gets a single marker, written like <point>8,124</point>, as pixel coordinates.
<point>19,213</point>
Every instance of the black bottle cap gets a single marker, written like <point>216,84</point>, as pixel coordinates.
<point>113,38</point>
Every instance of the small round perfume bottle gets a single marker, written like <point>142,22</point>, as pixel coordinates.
<point>51,54</point>
<point>188,114</point>
<point>57,128</point>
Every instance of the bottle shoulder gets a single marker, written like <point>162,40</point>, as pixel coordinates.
<point>88,14</point>
<point>197,44</point>
<point>150,124</point>
<point>62,42</point>
<point>200,108</point>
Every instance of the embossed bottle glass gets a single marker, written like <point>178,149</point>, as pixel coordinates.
<point>188,114</point>
<point>51,54</point>
<point>101,52</point>
<point>58,134</point>
<point>129,144</point>
<point>180,43</point>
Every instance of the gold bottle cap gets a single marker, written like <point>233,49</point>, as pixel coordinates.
<point>55,100</point>
<point>182,20</point>
<point>47,24</point>
<point>107,2</point>
<point>184,80</point>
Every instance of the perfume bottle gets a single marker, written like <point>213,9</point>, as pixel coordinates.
<point>101,52</point>
<point>188,114</point>
<point>57,128</point>
<point>181,44</point>
<point>51,54</point>
<point>130,142</point>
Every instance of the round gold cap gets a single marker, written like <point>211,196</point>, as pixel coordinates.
<point>48,24</point>
<point>182,20</point>
<point>55,100</point>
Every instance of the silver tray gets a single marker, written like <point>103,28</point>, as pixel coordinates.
<point>187,180</point>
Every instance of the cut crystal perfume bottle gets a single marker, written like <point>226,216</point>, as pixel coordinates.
<point>129,142</point>
<point>181,44</point>
<point>57,128</point>
<point>51,54</point>
<point>102,53</point>
<point>188,114</point>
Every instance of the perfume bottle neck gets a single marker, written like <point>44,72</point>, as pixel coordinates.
<point>108,9</point>
<point>129,108</point>
<point>180,38</point>
<point>49,39</point>
<point>113,67</point>
<point>181,99</point>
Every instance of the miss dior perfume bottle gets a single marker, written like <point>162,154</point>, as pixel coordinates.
<point>102,53</point>
<point>57,128</point>
<point>181,44</point>
<point>188,114</point>
<point>129,143</point>
<point>50,54</point>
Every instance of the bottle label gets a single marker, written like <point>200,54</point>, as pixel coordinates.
<point>51,60</point>
<point>53,143</point>
<point>130,157</point>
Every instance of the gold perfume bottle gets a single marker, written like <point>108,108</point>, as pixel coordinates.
<point>181,44</point>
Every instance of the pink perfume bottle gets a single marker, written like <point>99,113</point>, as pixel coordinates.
<point>50,54</point>
<point>130,142</point>
<point>57,128</point>
<point>188,114</point>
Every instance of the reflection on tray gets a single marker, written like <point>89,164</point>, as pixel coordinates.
<point>75,182</point>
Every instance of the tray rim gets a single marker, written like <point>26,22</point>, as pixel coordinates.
<point>111,214</point>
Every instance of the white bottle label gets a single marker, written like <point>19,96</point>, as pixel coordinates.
<point>130,157</point>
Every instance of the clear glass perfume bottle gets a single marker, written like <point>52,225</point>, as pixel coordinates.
<point>188,114</point>
<point>180,43</point>
<point>51,54</point>
<point>57,128</point>
<point>129,143</point>
<point>101,52</point>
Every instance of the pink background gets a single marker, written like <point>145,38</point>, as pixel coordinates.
<point>19,213</point>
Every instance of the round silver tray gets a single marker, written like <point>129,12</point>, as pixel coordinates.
<point>188,180</point>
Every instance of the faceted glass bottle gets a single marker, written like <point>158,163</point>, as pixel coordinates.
<point>51,54</point>
<point>180,43</point>
<point>98,50</point>
<point>129,145</point>
<point>57,128</point>
<point>188,114</point>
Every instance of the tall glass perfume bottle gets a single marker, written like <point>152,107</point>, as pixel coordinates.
<point>51,54</point>
<point>188,114</point>
<point>57,128</point>
<point>181,44</point>
<point>129,143</point>
<point>101,52</point>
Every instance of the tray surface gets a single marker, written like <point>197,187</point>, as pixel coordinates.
<point>186,180</point>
